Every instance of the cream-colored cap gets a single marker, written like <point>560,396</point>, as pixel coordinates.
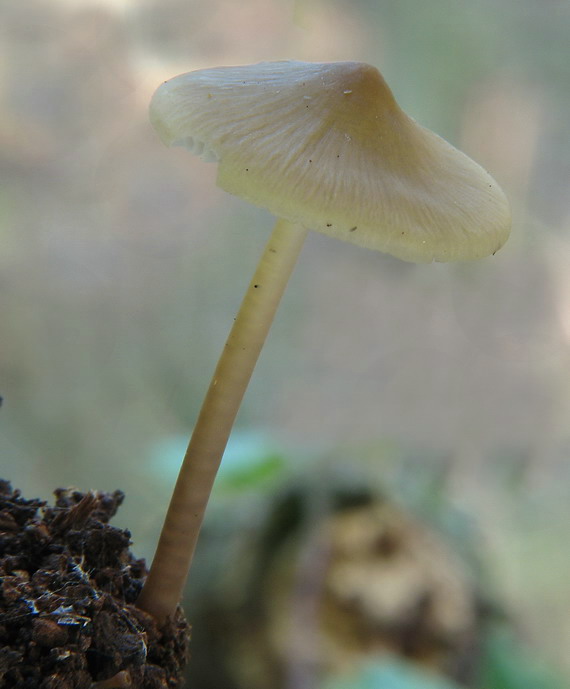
<point>327,146</point>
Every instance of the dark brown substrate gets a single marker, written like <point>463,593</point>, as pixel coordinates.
<point>68,584</point>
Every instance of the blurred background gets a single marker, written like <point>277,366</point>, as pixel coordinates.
<point>442,388</point>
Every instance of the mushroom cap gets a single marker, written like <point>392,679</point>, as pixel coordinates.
<point>326,146</point>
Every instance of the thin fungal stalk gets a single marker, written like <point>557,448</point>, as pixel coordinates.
<point>164,585</point>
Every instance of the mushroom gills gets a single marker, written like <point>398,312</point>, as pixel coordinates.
<point>197,148</point>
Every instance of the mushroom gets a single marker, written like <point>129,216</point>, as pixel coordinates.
<point>323,146</point>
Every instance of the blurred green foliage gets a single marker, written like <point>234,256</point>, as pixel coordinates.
<point>390,674</point>
<point>507,664</point>
<point>251,462</point>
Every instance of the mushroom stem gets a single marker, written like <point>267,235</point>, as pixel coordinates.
<point>163,588</point>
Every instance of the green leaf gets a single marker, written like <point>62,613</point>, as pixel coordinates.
<point>250,460</point>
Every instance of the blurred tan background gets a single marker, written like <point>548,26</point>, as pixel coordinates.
<point>122,265</point>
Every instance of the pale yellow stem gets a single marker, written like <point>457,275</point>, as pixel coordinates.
<point>163,588</point>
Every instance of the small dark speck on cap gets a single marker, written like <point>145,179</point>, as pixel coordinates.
<point>353,228</point>
<point>329,224</point>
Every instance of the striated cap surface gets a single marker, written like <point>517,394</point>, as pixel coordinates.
<point>327,146</point>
